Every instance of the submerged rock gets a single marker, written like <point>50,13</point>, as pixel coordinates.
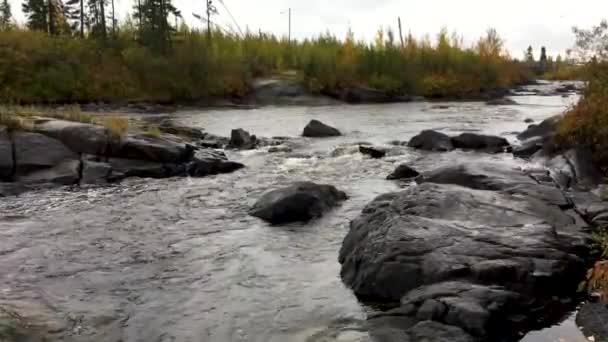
<point>501,102</point>
<point>473,247</point>
<point>64,173</point>
<point>474,141</point>
<point>317,129</point>
<point>371,151</point>
<point>528,120</point>
<point>431,141</point>
<point>299,202</point>
<point>403,171</point>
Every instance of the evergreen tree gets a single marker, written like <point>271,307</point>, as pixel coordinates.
<point>36,12</point>
<point>76,15</point>
<point>155,30</point>
<point>542,64</point>
<point>97,18</point>
<point>529,55</point>
<point>6,16</point>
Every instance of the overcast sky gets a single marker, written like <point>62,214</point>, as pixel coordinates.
<point>520,22</point>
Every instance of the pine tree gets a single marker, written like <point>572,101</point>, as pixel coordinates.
<point>76,15</point>
<point>6,15</point>
<point>155,30</point>
<point>97,18</point>
<point>36,12</point>
<point>529,55</point>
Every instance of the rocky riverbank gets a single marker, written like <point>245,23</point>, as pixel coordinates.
<point>476,252</point>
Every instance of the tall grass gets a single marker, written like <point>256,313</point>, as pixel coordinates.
<point>38,68</point>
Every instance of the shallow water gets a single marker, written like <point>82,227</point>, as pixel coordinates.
<point>180,259</point>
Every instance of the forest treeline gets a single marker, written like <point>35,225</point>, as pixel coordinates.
<point>77,51</point>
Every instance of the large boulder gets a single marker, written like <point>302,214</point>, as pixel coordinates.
<point>430,140</point>
<point>593,320</point>
<point>317,129</point>
<point>124,168</point>
<point>575,169</point>
<point>403,171</point>
<point>299,202</point>
<point>528,148</point>
<point>503,101</point>
<point>241,139</point>
<point>546,129</point>
<point>150,148</point>
<point>78,137</point>
<point>472,141</point>
<point>64,173</point>
<point>6,155</point>
<point>35,151</point>
<point>477,254</point>
<point>368,95</point>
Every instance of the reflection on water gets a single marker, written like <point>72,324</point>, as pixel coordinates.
<point>180,259</point>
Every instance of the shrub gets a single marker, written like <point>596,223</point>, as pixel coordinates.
<point>116,126</point>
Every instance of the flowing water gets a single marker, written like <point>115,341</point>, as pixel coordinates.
<point>180,259</point>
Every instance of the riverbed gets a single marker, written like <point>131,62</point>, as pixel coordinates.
<point>180,260</point>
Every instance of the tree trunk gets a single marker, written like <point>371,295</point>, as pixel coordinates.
<point>103,19</point>
<point>113,20</point>
<point>51,17</point>
<point>81,18</point>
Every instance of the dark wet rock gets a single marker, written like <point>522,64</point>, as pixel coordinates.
<point>124,168</point>
<point>64,173</point>
<point>528,148</point>
<point>440,107</point>
<point>474,141</point>
<point>317,129</point>
<point>12,189</point>
<point>34,151</point>
<point>566,88</point>
<point>241,139</point>
<point>299,202</point>
<point>371,95</point>
<point>149,148</point>
<point>280,149</point>
<point>431,141</point>
<point>403,171</point>
<point>404,329</point>
<point>78,137</point>
<point>211,162</point>
<point>374,152</point>
<point>528,120</point>
<point>592,318</point>
<point>213,141</point>
<point>284,91</point>
<point>501,102</point>
<point>474,250</point>
<point>6,155</point>
<point>95,172</point>
<point>167,126</point>
<point>546,129</point>
<point>575,169</point>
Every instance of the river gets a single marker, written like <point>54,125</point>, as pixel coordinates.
<point>180,260</point>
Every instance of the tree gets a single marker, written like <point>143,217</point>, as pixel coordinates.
<point>593,42</point>
<point>155,30</point>
<point>97,18</point>
<point>36,12</point>
<point>542,65</point>
<point>76,14</point>
<point>529,55</point>
<point>6,15</point>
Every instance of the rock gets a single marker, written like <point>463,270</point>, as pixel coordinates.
<point>167,126</point>
<point>529,148</point>
<point>240,138</point>
<point>473,141</point>
<point>431,141</point>
<point>149,148</point>
<point>6,155</point>
<point>371,151</point>
<point>475,252</point>
<point>528,120</point>
<point>299,202</point>
<point>367,95</point>
<point>317,129</point>
<point>78,137</point>
<point>501,102</point>
<point>279,149</point>
<point>566,88</point>
<point>64,173</point>
<point>546,129</point>
<point>575,169</point>
<point>95,172</point>
<point>285,91</point>
<point>12,189</point>
<point>403,171</point>
<point>124,168</point>
<point>211,162</point>
<point>34,151</point>
<point>592,318</point>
